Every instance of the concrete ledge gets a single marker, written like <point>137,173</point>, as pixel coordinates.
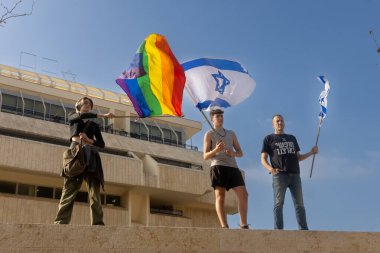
<point>75,238</point>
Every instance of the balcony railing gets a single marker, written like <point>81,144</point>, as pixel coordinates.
<point>62,84</point>
<point>61,120</point>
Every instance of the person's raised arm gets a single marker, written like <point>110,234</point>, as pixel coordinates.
<point>76,116</point>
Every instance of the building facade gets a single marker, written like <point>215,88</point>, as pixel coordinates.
<point>152,178</point>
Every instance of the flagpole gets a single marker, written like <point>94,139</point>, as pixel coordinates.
<point>316,144</point>
<point>212,127</point>
<point>203,114</point>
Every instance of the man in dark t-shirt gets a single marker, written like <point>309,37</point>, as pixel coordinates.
<point>283,151</point>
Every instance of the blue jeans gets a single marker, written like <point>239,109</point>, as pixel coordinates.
<point>281,182</point>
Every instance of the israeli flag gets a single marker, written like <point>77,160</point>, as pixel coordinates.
<point>217,83</point>
<point>323,97</point>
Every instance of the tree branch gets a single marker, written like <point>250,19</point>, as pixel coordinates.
<point>10,12</point>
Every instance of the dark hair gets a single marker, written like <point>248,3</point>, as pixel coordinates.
<point>80,102</point>
<point>216,111</point>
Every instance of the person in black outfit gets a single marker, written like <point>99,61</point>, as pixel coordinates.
<point>284,154</point>
<point>92,140</point>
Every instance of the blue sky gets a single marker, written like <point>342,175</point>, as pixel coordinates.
<point>284,45</point>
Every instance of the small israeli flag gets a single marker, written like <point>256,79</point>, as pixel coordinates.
<point>323,97</point>
<point>216,83</point>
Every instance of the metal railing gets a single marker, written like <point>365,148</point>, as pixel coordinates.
<point>62,84</point>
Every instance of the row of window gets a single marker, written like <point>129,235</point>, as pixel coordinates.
<point>55,193</point>
<point>35,108</point>
<point>166,210</point>
<point>177,163</point>
<point>138,128</point>
<point>51,193</point>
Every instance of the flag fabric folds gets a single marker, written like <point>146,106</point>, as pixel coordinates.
<point>154,81</point>
<point>217,83</point>
<point>323,97</point>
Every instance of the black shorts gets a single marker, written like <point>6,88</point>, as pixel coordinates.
<point>226,177</point>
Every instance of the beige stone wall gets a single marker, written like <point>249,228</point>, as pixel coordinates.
<point>46,158</point>
<point>118,169</point>
<point>205,218</point>
<point>183,180</point>
<point>170,221</point>
<point>33,162</point>
<point>59,131</point>
<point>26,238</point>
<point>22,209</point>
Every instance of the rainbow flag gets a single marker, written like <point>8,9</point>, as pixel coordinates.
<point>154,81</point>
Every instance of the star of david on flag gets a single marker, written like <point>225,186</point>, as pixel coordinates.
<point>221,82</point>
<point>217,83</point>
<point>323,97</point>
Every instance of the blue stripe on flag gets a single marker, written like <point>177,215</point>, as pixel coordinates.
<point>136,92</point>
<point>209,103</point>
<point>217,63</point>
<point>322,79</point>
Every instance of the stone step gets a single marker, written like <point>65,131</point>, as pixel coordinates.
<point>35,238</point>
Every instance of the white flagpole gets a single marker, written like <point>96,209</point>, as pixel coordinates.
<point>316,144</point>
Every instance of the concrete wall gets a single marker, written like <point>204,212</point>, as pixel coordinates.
<point>69,238</point>
<point>31,210</point>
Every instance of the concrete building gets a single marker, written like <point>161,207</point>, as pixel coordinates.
<point>152,177</point>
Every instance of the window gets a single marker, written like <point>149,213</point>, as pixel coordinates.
<point>155,134</point>
<point>39,110</point>
<point>19,105</point>
<point>139,131</point>
<point>9,103</point>
<point>29,106</point>
<point>82,197</point>
<point>179,134</point>
<point>56,113</point>
<point>143,132</point>
<point>44,192</point>
<point>173,162</point>
<point>112,200</point>
<point>7,187</point>
<point>26,189</point>
<point>168,136</point>
<point>165,209</point>
<point>52,193</point>
<point>57,193</point>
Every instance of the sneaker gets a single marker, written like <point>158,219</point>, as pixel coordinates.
<point>244,226</point>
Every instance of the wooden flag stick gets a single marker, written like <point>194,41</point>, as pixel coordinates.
<point>316,144</point>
